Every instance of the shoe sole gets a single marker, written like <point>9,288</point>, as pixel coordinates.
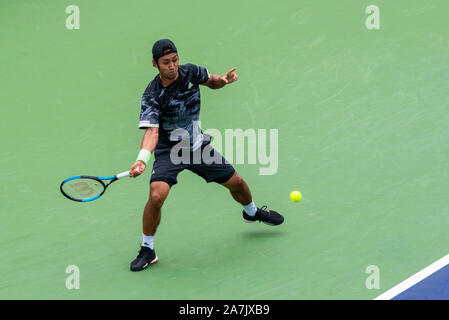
<point>267,223</point>
<point>146,265</point>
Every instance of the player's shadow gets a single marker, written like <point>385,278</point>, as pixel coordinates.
<point>258,234</point>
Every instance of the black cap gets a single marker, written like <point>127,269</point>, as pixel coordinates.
<point>160,48</point>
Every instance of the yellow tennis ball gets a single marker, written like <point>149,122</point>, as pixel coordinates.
<point>295,196</point>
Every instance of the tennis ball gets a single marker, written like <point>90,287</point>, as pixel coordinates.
<point>295,196</point>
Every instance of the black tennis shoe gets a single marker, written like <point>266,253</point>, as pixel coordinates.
<point>269,217</point>
<point>146,257</point>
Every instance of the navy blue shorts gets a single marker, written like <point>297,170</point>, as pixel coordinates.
<point>164,169</point>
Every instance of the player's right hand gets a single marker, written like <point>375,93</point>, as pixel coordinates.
<point>136,169</point>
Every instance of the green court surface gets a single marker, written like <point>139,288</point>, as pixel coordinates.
<point>362,119</point>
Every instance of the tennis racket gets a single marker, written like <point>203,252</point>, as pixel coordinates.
<point>87,188</point>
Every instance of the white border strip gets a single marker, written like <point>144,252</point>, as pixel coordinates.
<point>424,273</point>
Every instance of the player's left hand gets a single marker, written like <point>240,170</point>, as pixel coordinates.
<point>230,76</point>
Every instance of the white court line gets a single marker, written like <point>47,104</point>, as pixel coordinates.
<point>424,273</point>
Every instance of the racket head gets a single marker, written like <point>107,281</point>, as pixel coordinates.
<point>82,188</point>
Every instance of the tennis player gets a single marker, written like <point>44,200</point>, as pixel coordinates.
<point>169,114</point>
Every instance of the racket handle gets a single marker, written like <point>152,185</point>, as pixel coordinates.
<point>123,175</point>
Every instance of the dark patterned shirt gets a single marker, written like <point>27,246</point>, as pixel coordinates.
<point>176,106</point>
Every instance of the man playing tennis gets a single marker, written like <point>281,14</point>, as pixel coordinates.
<point>170,112</point>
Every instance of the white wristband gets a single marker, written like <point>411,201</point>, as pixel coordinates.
<point>144,156</point>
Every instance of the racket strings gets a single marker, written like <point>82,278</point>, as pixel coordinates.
<point>83,188</point>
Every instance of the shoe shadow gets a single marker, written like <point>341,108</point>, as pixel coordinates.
<point>257,234</point>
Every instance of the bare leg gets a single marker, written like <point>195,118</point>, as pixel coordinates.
<point>240,192</point>
<point>239,189</point>
<point>152,212</point>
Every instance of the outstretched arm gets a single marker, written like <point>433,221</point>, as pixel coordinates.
<point>216,81</point>
<point>149,142</point>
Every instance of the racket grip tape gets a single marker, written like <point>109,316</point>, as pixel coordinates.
<point>123,175</point>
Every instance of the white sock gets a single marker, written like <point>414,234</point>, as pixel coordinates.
<point>147,241</point>
<point>250,209</point>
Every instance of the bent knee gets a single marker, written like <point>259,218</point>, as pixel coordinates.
<point>238,184</point>
<point>157,199</point>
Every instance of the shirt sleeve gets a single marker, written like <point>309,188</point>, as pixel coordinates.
<point>200,74</point>
<point>149,113</point>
